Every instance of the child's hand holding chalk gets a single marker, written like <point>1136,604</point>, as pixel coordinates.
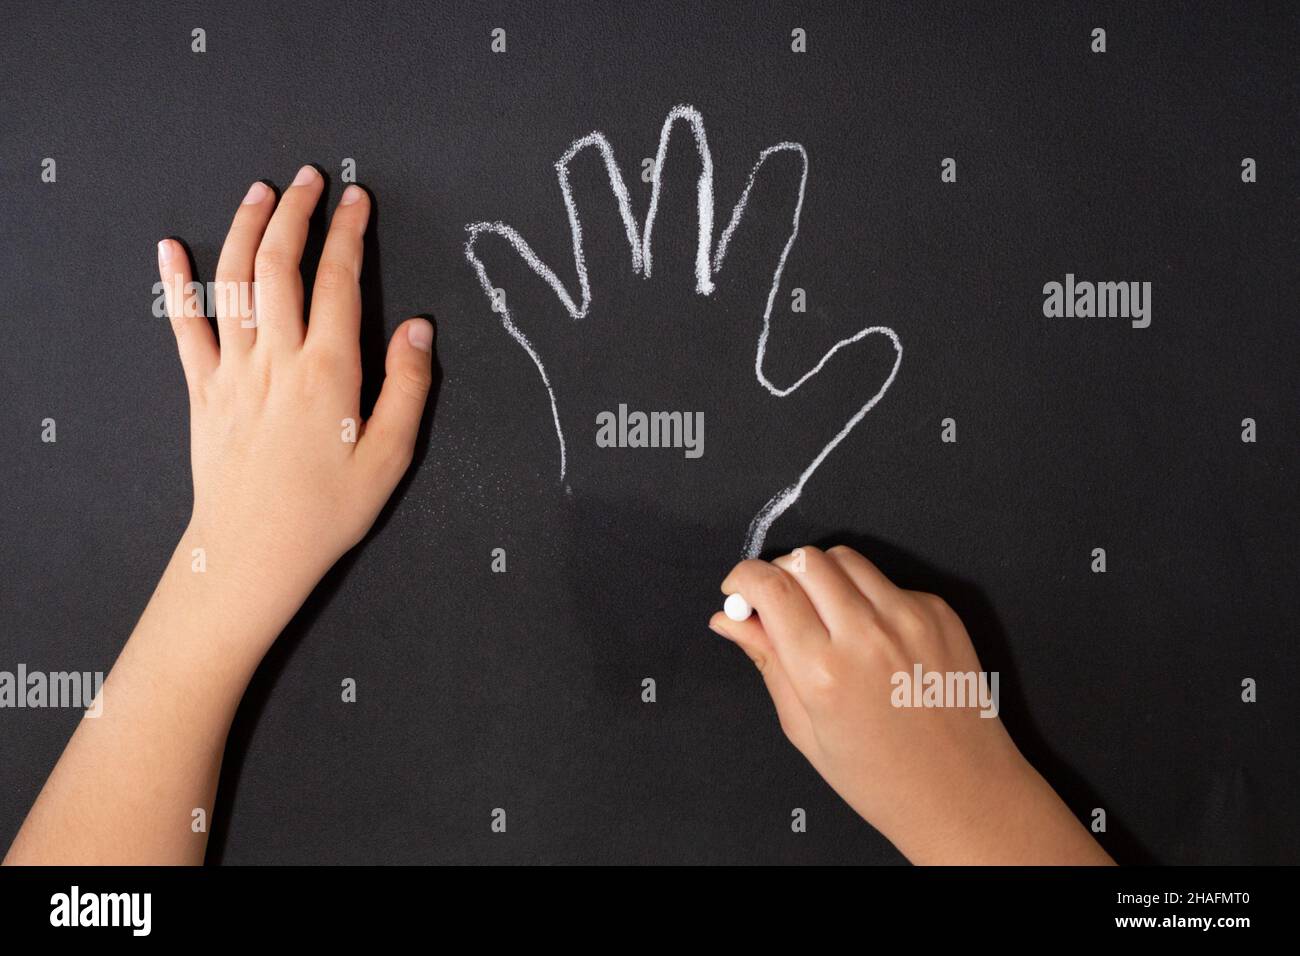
<point>844,654</point>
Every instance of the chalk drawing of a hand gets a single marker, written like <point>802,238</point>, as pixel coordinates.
<point>577,373</point>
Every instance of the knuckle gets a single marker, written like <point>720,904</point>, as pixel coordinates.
<point>931,608</point>
<point>225,276</point>
<point>920,601</point>
<point>821,678</point>
<point>873,653</point>
<point>910,620</point>
<point>937,606</point>
<point>334,276</point>
<point>328,368</point>
<point>747,570</point>
<point>773,587</point>
<point>946,619</point>
<point>272,262</point>
<point>413,384</point>
<point>806,559</point>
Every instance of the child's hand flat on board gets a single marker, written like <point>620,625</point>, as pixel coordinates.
<point>286,478</point>
<point>280,493</point>
<point>944,784</point>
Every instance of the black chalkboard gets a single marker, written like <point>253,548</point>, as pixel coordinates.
<point>523,690</point>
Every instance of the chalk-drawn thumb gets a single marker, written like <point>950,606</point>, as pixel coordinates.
<point>521,292</point>
<point>852,375</point>
<point>509,272</point>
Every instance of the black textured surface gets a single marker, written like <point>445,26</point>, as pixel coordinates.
<point>521,690</point>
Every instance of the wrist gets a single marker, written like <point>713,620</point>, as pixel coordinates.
<point>1010,817</point>
<point>973,818</point>
<point>223,605</point>
<point>266,568</point>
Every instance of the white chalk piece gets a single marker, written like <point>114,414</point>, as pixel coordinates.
<point>736,607</point>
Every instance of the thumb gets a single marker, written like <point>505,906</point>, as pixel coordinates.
<point>389,439</point>
<point>750,637</point>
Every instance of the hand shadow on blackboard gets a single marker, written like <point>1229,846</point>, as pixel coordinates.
<point>374,346</point>
<point>995,654</point>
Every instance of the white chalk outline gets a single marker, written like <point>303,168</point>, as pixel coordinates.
<point>639,243</point>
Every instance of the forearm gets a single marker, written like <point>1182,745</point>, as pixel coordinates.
<point>1012,818</point>
<point>127,786</point>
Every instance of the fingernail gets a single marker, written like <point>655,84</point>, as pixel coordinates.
<point>350,195</point>
<point>718,631</point>
<point>305,175</point>
<point>166,249</point>
<point>256,193</point>
<point>420,334</point>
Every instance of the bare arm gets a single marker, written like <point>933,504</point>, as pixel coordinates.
<point>286,480</point>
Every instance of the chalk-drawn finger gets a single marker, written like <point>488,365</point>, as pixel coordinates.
<point>236,305</point>
<point>753,640</point>
<point>838,602</point>
<point>335,323</point>
<point>498,252</point>
<point>194,341</point>
<point>758,238</point>
<point>679,221</point>
<point>598,197</point>
<point>869,579</point>
<point>276,265</point>
<point>389,439</point>
<point>784,610</point>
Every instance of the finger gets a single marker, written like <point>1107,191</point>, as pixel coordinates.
<point>236,317</point>
<point>336,296</point>
<point>748,635</point>
<point>787,616</point>
<point>276,265</point>
<point>684,220</point>
<point>389,439</point>
<point>753,245</point>
<point>194,339</point>
<point>883,594</point>
<point>834,597</point>
<point>753,640</point>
